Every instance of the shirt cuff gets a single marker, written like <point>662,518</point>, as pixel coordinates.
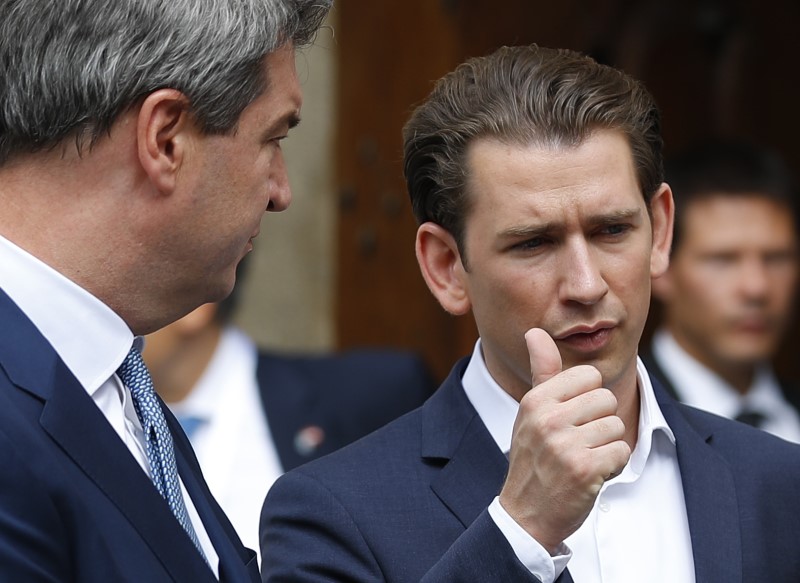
<point>527,549</point>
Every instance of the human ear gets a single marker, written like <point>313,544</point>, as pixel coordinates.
<point>163,130</point>
<point>442,268</point>
<point>662,210</point>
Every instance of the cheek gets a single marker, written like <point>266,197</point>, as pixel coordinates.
<point>784,285</point>
<point>696,284</point>
<point>510,301</point>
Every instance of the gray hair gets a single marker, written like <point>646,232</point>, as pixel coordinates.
<point>71,67</point>
<point>521,95</point>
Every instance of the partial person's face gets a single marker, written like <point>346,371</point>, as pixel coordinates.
<point>729,290</point>
<point>232,180</point>
<point>560,239</point>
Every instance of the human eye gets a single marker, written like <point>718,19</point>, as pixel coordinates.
<point>780,258</point>
<point>615,230</point>
<point>720,260</point>
<point>276,140</point>
<point>531,244</point>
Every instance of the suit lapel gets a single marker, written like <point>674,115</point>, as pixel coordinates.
<point>474,468</point>
<point>232,559</point>
<point>710,493</point>
<point>78,427</point>
<point>93,448</point>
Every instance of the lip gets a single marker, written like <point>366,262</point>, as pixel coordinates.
<point>753,326</point>
<point>587,337</point>
<point>254,234</point>
<point>585,329</point>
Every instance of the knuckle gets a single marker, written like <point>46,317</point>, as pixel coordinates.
<point>623,451</point>
<point>608,397</point>
<point>616,426</point>
<point>549,423</point>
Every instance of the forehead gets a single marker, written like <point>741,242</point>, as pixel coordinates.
<point>598,171</point>
<point>283,97</point>
<point>737,220</point>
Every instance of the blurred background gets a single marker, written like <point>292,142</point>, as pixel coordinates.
<point>337,270</point>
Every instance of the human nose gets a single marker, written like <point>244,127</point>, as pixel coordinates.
<point>280,193</point>
<point>583,281</point>
<point>754,278</point>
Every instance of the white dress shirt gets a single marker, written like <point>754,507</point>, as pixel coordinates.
<point>92,340</point>
<point>702,388</point>
<point>233,442</point>
<point>637,530</point>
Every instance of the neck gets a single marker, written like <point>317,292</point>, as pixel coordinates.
<point>738,374</point>
<point>176,373</point>
<point>64,208</point>
<point>629,404</point>
<point>740,377</point>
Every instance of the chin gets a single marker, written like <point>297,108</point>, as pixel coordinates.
<point>222,292</point>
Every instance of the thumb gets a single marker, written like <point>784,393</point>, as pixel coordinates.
<point>544,355</point>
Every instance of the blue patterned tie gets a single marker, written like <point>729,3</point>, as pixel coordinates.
<point>160,451</point>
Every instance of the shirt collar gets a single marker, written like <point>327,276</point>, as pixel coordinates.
<point>87,335</point>
<point>711,392</point>
<point>498,410</point>
<point>231,366</point>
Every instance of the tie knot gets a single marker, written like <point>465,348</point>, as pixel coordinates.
<point>134,374</point>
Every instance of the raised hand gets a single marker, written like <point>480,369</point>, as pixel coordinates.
<point>567,441</point>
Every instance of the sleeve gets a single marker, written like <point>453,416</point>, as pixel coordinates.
<point>308,536</point>
<point>533,555</point>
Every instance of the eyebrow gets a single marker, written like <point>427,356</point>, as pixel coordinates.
<point>532,231</point>
<point>614,217</point>
<point>290,121</point>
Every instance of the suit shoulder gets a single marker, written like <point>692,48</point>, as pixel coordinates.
<point>740,443</point>
<point>380,383</point>
<point>395,447</point>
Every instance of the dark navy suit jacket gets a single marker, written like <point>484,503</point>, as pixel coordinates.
<point>74,503</point>
<point>334,399</point>
<point>408,503</point>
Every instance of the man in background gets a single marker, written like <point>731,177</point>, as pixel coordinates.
<point>253,414</point>
<point>139,151</point>
<point>729,292</point>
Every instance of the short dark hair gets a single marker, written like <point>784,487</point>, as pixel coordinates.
<point>728,168</point>
<point>521,95</point>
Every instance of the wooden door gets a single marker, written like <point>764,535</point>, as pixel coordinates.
<point>716,68</point>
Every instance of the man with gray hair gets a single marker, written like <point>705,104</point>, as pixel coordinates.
<point>139,150</point>
<point>550,453</point>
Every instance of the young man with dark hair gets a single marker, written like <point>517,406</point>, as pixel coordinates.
<point>729,292</point>
<point>550,453</point>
